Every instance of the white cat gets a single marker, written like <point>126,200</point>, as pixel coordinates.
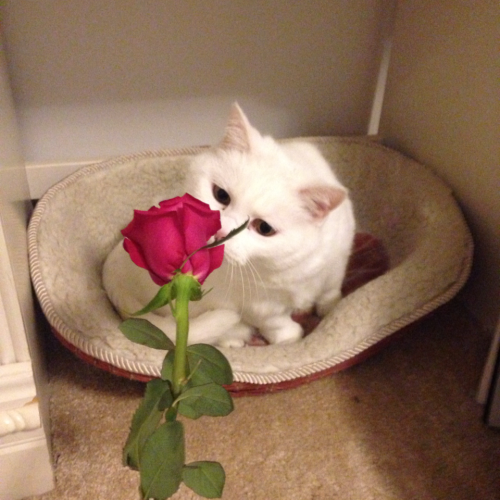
<point>292,257</point>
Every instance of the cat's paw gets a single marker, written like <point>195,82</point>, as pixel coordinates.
<point>231,343</point>
<point>281,330</point>
<point>239,335</point>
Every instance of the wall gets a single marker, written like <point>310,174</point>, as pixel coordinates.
<point>97,78</point>
<point>442,107</point>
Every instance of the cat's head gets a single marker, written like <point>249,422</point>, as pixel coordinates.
<point>287,191</point>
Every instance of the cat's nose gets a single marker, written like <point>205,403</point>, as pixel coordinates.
<point>221,233</point>
<point>228,223</point>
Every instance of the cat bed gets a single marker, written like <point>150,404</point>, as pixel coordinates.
<point>409,213</point>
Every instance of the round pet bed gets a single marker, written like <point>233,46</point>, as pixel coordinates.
<point>398,201</point>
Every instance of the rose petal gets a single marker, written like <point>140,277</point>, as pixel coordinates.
<point>200,224</point>
<point>135,253</point>
<point>158,242</point>
<point>171,205</point>
<point>161,238</point>
<point>216,258</point>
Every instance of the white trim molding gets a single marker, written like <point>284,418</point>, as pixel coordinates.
<point>13,343</point>
<point>17,386</point>
<point>23,441</point>
<point>25,418</point>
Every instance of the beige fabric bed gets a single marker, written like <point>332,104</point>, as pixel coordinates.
<point>78,222</point>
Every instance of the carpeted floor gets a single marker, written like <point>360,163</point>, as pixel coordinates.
<point>402,425</point>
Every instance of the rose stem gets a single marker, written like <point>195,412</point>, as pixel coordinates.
<point>183,288</point>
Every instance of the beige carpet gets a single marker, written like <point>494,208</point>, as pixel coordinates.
<point>402,425</point>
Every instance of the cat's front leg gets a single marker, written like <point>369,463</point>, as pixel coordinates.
<point>239,335</point>
<point>280,329</point>
<point>327,302</point>
<point>221,327</point>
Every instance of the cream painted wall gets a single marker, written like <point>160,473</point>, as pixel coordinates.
<point>442,107</point>
<point>96,78</point>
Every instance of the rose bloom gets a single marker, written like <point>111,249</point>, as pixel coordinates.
<point>161,239</point>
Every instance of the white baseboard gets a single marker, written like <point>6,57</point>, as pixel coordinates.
<point>25,467</point>
<point>25,461</point>
<point>42,176</point>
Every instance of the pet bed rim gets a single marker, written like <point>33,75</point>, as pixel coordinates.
<point>141,368</point>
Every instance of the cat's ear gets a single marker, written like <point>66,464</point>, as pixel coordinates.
<point>240,134</point>
<point>319,201</point>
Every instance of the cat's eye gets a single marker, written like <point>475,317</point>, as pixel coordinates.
<point>262,227</point>
<point>221,195</point>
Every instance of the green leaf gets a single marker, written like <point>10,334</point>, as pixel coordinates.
<point>144,422</point>
<point>230,235</point>
<point>207,364</point>
<point>162,461</point>
<point>209,399</point>
<point>205,478</point>
<point>167,367</point>
<point>165,294</point>
<point>141,331</point>
<point>166,399</point>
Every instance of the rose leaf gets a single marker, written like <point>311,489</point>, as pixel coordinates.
<point>208,364</point>
<point>162,461</point>
<point>205,478</point>
<point>144,422</point>
<point>165,294</point>
<point>209,399</point>
<point>166,399</point>
<point>230,235</point>
<point>141,331</point>
<point>167,367</point>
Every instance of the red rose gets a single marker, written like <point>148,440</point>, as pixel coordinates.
<point>161,239</point>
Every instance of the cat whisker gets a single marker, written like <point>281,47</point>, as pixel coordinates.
<point>257,279</point>
<point>252,282</point>
<point>250,279</point>
<point>242,306</point>
<point>228,280</point>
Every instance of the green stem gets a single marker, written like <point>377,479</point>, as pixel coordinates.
<point>183,284</point>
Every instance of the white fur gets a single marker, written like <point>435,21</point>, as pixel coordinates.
<point>262,279</point>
